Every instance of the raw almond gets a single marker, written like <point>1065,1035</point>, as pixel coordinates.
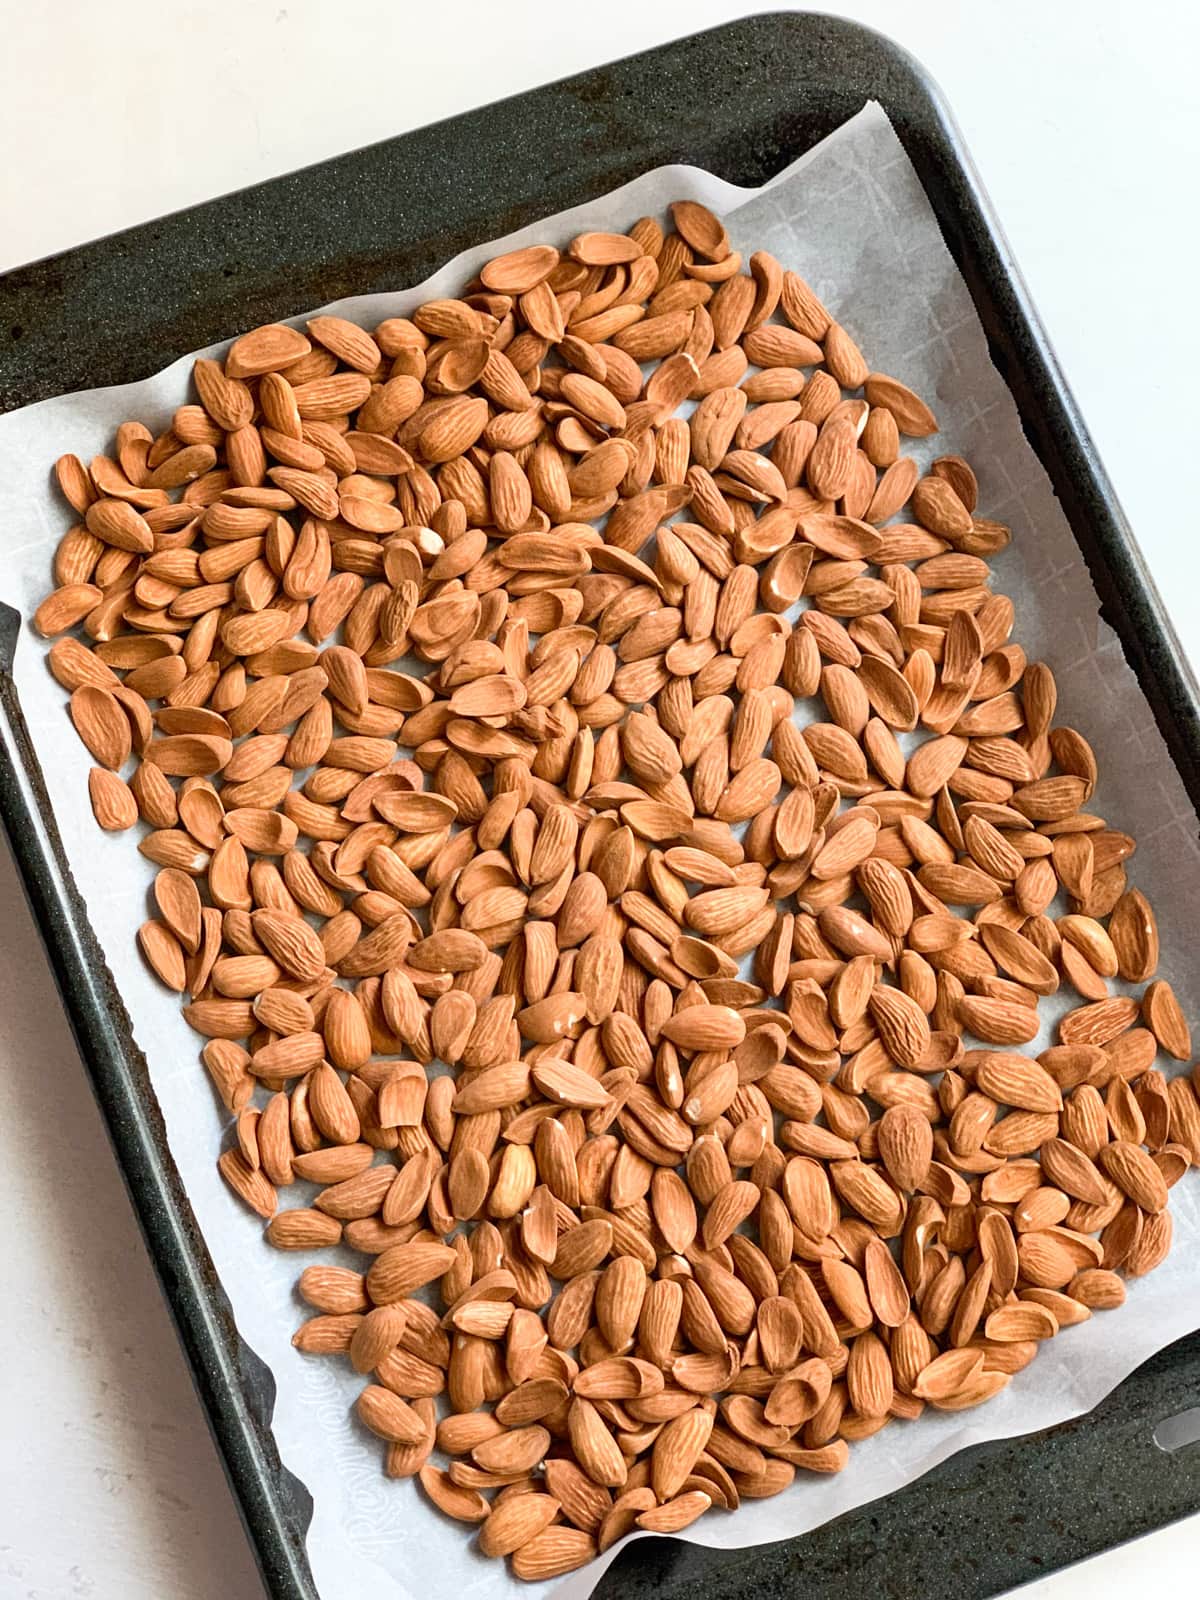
<point>660,1039</point>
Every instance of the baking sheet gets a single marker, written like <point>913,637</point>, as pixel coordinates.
<point>852,218</point>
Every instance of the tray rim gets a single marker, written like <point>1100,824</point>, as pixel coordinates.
<point>236,1397</point>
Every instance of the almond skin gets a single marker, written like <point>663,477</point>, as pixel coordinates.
<point>903,1026</point>
<point>906,1145</point>
<point>113,804</point>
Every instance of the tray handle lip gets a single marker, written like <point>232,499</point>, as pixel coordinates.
<point>235,1387</point>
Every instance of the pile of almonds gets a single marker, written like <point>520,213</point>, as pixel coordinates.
<point>465,937</point>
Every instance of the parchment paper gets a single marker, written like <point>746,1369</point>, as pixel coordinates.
<point>852,218</point>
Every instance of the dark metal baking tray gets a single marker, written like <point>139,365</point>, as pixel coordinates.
<point>743,101</point>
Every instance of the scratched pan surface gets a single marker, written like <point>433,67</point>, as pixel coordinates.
<point>743,101</point>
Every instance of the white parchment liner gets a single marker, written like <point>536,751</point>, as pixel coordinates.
<point>852,218</point>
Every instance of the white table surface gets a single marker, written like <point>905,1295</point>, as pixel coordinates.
<point>1081,118</point>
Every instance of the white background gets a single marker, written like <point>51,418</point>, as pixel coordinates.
<point>1080,115</point>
